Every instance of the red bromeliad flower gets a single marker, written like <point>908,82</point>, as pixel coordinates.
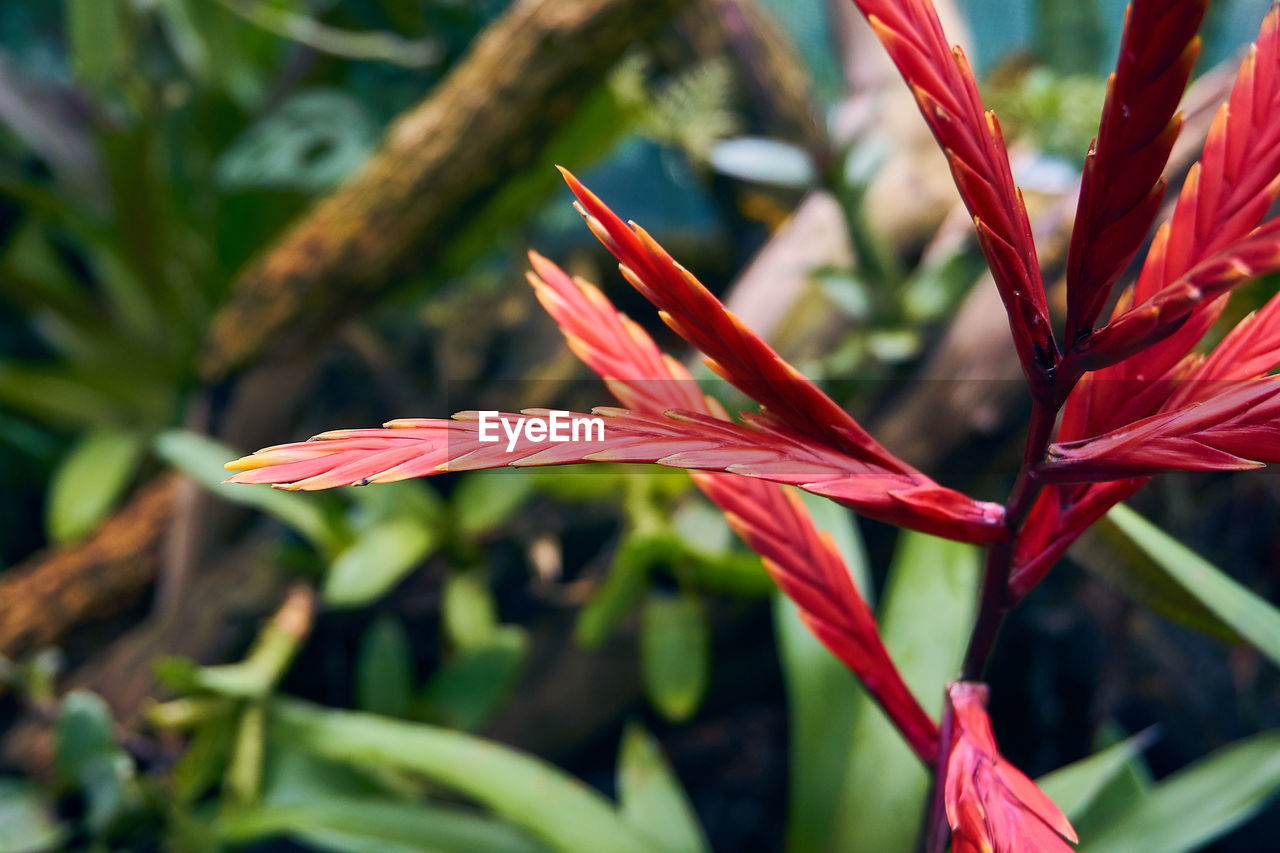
<point>1111,405</point>
<point>990,804</point>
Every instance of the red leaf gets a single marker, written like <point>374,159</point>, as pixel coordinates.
<point>947,94</point>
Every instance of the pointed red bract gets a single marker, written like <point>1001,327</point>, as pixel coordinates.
<point>1163,313</point>
<point>760,448</point>
<point>804,563</point>
<point>1224,197</point>
<point>1121,189</point>
<point>945,89</point>
<point>991,806</point>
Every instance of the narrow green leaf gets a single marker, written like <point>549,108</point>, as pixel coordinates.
<point>368,824</point>
<point>243,782</point>
<point>202,459</point>
<point>1197,804</point>
<point>384,669</point>
<point>1250,616</point>
<point>675,648</point>
<point>821,697</point>
<point>527,791</point>
<point>1114,556</point>
<point>651,797</point>
<point>483,500</point>
<point>617,594</point>
<point>27,824</point>
<point>379,559</point>
<point>1076,786</point>
<point>925,618</point>
<point>89,482</point>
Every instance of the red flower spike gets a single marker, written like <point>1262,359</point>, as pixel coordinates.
<point>992,807</point>
<point>733,351</point>
<point>761,448</point>
<point>1224,197</point>
<point>947,94</point>
<point>804,563</point>
<point>1235,429</point>
<point>1163,314</point>
<point>1121,188</point>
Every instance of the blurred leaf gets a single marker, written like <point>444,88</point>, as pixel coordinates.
<point>617,594</point>
<point>675,650</point>
<point>651,797</point>
<point>267,660</point>
<point>1248,615</point>
<point>88,755</point>
<point>412,498</point>
<point>243,782</point>
<point>1075,786</point>
<point>1112,555</point>
<point>528,791</point>
<point>467,610</point>
<point>368,825</point>
<point>89,482</point>
<point>98,39</point>
<point>1203,801</point>
<point>377,560</point>
<point>766,161</point>
<point>925,617</point>
<point>27,823</point>
<point>1131,783</point>
<point>308,144</point>
<point>384,669</point>
<point>468,689</point>
<point>57,396</point>
<point>202,459</point>
<point>206,756</point>
<point>483,500</point>
<point>206,40</point>
<point>821,696</point>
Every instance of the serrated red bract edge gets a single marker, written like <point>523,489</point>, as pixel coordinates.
<point>947,94</point>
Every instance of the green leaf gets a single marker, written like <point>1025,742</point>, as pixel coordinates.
<point>821,696</point>
<point>97,34</point>
<point>89,482</point>
<point>925,618</point>
<point>675,651</point>
<point>652,799</point>
<point>1113,555</point>
<point>243,781</point>
<point>467,610</point>
<point>377,560</point>
<point>1076,786</point>
<point>483,500</point>
<point>308,144</point>
<point>1197,804</point>
<point>623,586</point>
<point>368,824</point>
<point>384,669</point>
<point>202,459</point>
<point>27,824</point>
<point>467,690</point>
<point>527,791</point>
<point>1248,615</point>
<point>88,755</point>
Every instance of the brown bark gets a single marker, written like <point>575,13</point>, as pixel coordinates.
<point>103,574</point>
<point>441,161</point>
